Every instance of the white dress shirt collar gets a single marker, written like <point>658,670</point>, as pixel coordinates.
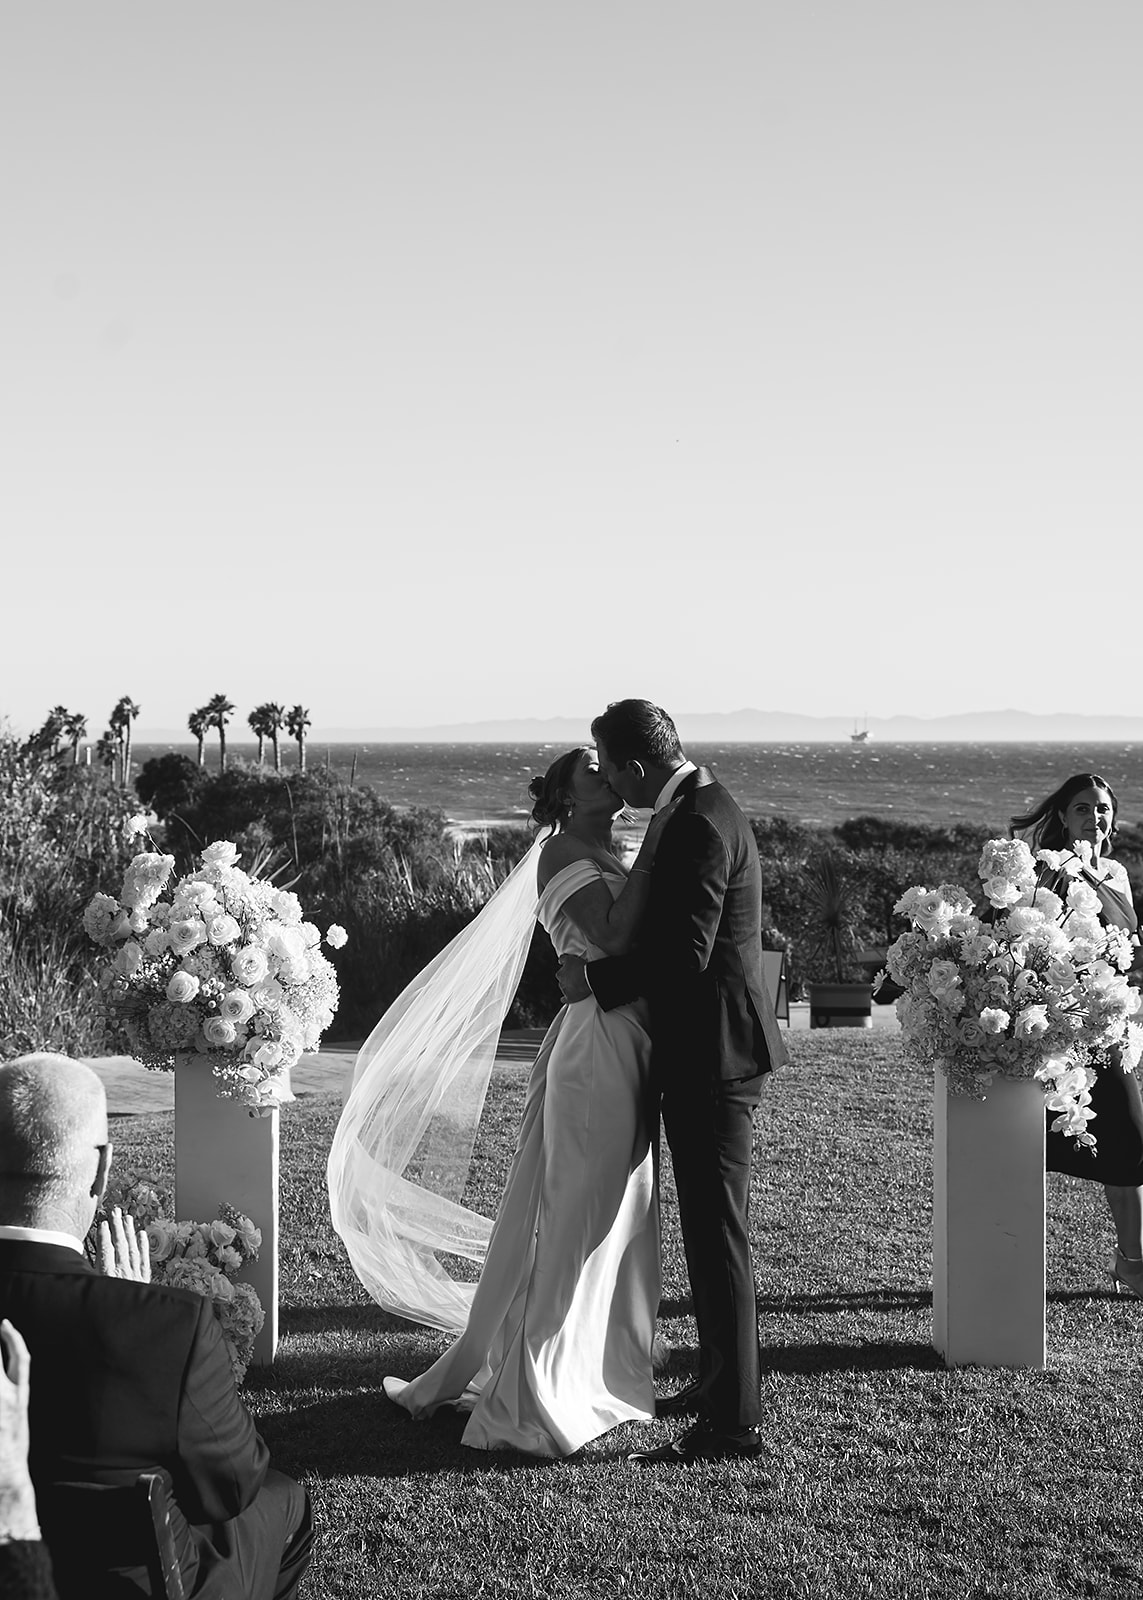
<point>40,1236</point>
<point>667,792</point>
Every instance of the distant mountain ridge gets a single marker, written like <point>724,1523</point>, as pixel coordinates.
<point>740,727</point>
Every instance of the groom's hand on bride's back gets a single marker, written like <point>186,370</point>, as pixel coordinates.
<point>573,980</point>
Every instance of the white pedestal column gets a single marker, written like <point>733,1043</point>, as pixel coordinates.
<point>988,1225</point>
<point>224,1154</point>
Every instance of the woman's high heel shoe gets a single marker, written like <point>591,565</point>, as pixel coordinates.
<point>1127,1273</point>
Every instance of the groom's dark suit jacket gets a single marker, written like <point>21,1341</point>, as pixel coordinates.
<point>699,961</point>
<point>132,1375</point>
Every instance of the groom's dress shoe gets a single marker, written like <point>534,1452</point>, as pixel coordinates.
<point>684,1403</point>
<point>701,1443</point>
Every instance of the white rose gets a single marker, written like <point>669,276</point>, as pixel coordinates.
<point>162,1236</point>
<point>1032,1023</point>
<point>268,995</point>
<point>223,929</point>
<point>182,987</point>
<point>249,965</point>
<point>221,854</point>
<point>156,942</point>
<point>186,935</point>
<point>237,1006</point>
<point>1001,893</point>
<point>218,1031</point>
<point>1082,899</point>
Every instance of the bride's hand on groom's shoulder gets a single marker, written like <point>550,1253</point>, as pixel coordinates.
<point>572,980</point>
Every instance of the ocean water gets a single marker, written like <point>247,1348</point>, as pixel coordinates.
<point>983,784</point>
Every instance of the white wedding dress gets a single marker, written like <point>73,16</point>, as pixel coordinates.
<point>557,1346</point>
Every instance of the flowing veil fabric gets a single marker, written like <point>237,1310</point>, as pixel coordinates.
<point>400,1156</point>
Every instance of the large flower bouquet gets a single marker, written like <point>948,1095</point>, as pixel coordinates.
<point>217,962</point>
<point>1032,986</point>
<point>203,1256</point>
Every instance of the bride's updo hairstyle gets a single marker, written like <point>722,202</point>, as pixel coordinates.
<point>1046,821</point>
<point>553,792</point>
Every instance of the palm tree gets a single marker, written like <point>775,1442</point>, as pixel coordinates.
<point>107,748</point>
<point>121,719</point>
<point>76,729</point>
<point>198,723</point>
<point>53,730</point>
<point>218,710</point>
<point>257,723</point>
<point>297,721</point>
<point>275,716</point>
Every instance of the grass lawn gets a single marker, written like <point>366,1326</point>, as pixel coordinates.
<point>883,1475</point>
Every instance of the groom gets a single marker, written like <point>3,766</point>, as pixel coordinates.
<point>714,1036</point>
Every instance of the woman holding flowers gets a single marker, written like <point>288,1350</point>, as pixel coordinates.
<point>1071,832</point>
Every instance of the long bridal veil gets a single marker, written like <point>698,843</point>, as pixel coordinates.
<point>400,1156</point>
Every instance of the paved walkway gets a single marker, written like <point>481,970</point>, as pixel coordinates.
<point>131,1089</point>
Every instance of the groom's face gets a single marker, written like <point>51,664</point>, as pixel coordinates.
<point>624,780</point>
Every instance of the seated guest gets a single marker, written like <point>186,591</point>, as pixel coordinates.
<point>128,1375</point>
<point>25,1567</point>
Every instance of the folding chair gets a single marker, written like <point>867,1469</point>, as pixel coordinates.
<point>94,1529</point>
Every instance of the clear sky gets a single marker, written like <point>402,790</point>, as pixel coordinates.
<point>452,359</point>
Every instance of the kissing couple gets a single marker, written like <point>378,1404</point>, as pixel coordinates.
<point>666,1014</point>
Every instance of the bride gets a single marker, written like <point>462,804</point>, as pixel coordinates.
<point>554,1343</point>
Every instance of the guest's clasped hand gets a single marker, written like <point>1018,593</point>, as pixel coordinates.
<point>17,1497</point>
<point>124,1250</point>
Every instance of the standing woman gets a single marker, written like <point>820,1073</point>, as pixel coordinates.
<point>1080,816</point>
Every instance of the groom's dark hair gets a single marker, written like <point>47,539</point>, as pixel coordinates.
<point>636,730</point>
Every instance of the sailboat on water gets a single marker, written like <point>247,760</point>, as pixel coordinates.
<point>860,735</point>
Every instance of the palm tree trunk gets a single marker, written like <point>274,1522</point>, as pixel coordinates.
<point>261,749</point>
<point>277,752</point>
<point>221,748</point>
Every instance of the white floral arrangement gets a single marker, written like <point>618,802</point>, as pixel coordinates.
<point>203,1256</point>
<point>1034,988</point>
<point>215,962</point>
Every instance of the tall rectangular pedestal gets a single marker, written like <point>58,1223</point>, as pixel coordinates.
<point>222,1153</point>
<point>988,1225</point>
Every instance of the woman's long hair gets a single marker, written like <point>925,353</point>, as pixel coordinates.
<point>1045,821</point>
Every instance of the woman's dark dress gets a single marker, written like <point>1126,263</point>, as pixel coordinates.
<point>1115,1099</point>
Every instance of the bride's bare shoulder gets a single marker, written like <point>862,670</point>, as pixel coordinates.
<point>559,852</point>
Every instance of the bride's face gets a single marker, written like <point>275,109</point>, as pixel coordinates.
<point>594,796</point>
<point>1089,816</point>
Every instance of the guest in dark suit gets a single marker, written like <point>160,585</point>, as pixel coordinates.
<point>714,1037</point>
<point>128,1375</point>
